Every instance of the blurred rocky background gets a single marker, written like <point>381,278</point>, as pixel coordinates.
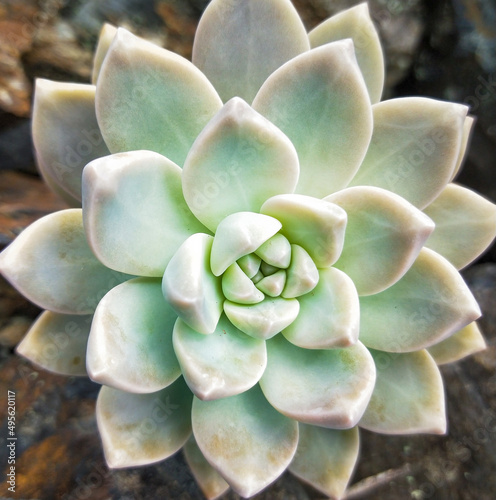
<point>444,49</point>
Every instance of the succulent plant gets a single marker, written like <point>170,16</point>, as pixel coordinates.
<point>266,257</point>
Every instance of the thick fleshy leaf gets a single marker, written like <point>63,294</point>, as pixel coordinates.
<point>236,149</point>
<point>384,236</point>
<point>276,251</point>
<point>462,343</point>
<point>325,458</point>
<point>65,132</point>
<point>51,264</point>
<point>240,234</point>
<point>329,388</point>
<point>107,34</point>
<point>424,307</point>
<point>408,397</point>
<point>329,317</point>
<point>468,126</point>
<point>209,480</point>
<point>223,364</point>
<point>465,225</point>
<point>273,285</point>
<point>355,23</point>
<point>150,98</point>
<point>130,344</point>
<point>302,275</point>
<point>253,448</point>
<point>320,101</point>
<point>237,287</point>
<point>140,429</point>
<point>316,225</point>
<point>190,287</point>
<point>135,215</point>
<point>265,319</point>
<point>414,147</point>
<point>57,342</point>
<point>250,264</point>
<point>232,36</point>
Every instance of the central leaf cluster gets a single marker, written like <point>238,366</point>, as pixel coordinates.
<point>252,270</point>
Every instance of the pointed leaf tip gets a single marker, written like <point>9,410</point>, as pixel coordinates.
<point>231,36</point>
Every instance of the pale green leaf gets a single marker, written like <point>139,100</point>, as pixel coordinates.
<point>325,458</point>
<point>240,234</point>
<point>150,98</point>
<point>320,101</point>
<point>208,479</point>
<point>130,344</point>
<point>245,439</point>
<point>329,388</point>
<point>220,365</point>
<point>316,225</point>
<point>426,306</point>
<point>57,342</point>
<point>384,236</point>
<point>356,23</point>
<point>135,215</point>
<point>51,264</point>
<point>329,315</point>
<point>414,139</point>
<point>233,35</point>
<point>408,397</point>
<point>66,135</point>
<point>190,287</point>
<point>223,171</point>
<point>265,319</point>
<point>461,344</point>
<point>140,429</point>
<point>465,225</point>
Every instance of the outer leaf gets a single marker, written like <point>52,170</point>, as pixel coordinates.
<point>140,429</point>
<point>134,212</point>
<point>329,316</point>
<point>57,342</point>
<point>223,364</point>
<point>408,397</point>
<point>223,169</point>
<point>253,448</point>
<point>240,234</point>
<point>465,225</point>
<point>328,388</point>
<point>130,344</point>
<point>384,236</point>
<point>462,343</point>
<point>65,133</point>
<point>424,307</point>
<point>319,100</point>
<point>468,126</point>
<point>150,98</point>
<point>316,225</point>
<point>355,23</point>
<point>107,34</point>
<point>190,287</point>
<point>414,139</point>
<point>232,35</point>
<point>209,480</point>
<point>325,458</point>
<point>51,264</point>
<point>265,319</point>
